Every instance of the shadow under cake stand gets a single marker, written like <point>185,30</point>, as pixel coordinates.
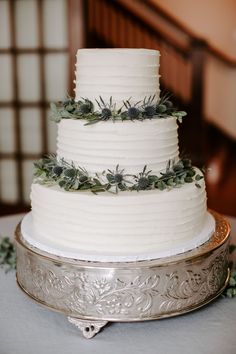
<point>91,294</point>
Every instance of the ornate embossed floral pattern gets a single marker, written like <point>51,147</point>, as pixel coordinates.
<point>196,286</point>
<point>216,271</point>
<point>122,297</point>
<point>95,293</point>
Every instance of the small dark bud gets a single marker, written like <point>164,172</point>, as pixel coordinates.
<point>106,113</point>
<point>85,108</point>
<point>169,104</point>
<point>118,178</point>
<point>133,112</point>
<point>143,182</point>
<point>149,111</point>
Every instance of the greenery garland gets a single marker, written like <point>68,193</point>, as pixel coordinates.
<point>51,171</point>
<point>84,109</point>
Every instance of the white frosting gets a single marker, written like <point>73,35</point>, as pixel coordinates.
<point>44,244</point>
<point>132,145</point>
<point>120,73</point>
<point>130,225</point>
<point>126,223</point>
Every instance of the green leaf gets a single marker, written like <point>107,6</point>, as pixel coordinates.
<point>76,184</point>
<point>70,172</point>
<point>161,185</point>
<point>188,179</point>
<point>161,108</point>
<point>232,281</point>
<point>53,107</point>
<point>198,177</point>
<point>191,173</point>
<point>170,182</point>
<point>109,177</point>
<point>180,114</point>
<point>229,292</point>
<point>97,182</point>
<point>62,183</point>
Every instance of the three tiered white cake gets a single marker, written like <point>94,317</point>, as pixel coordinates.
<point>118,139</point>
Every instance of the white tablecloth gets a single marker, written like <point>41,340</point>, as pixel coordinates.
<point>27,328</point>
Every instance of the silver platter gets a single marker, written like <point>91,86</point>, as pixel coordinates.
<point>92,293</point>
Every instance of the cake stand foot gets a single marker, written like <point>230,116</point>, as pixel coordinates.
<point>89,328</point>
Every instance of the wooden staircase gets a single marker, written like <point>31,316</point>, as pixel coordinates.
<point>184,60</point>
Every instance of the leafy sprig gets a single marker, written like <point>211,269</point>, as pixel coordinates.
<point>51,171</point>
<point>230,290</point>
<point>149,108</point>
<point>7,254</point>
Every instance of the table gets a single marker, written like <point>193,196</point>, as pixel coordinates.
<point>28,328</point>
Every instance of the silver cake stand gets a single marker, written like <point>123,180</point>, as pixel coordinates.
<point>91,294</point>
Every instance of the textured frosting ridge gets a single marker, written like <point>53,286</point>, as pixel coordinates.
<point>132,145</point>
<point>120,73</point>
<point>124,223</point>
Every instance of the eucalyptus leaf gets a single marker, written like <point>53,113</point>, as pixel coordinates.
<point>51,171</point>
<point>149,108</point>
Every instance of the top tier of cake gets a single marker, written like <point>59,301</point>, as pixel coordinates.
<point>118,73</point>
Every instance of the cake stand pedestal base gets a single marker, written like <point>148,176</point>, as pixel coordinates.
<point>91,294</point>
<point>88,328</point>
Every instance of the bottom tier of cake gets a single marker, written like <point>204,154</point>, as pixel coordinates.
<point>97,292</point>
<point>51,246</point>
<point>124,226</point>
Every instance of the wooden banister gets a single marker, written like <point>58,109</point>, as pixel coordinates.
<point>147,11</point>
<point>210,48</point>
<point>156,22</point>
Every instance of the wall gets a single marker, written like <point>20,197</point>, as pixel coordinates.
<point>214,21</point>
<point>34,70</point>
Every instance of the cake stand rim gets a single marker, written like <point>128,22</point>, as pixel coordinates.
<point>189,309</point>
<point>132,264</point>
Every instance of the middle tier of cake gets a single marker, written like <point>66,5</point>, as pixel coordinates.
<point>132,145</point>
